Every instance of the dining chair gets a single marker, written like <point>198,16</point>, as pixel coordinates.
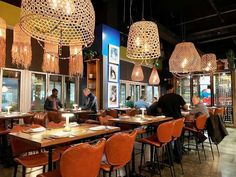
<point>199,126</point>
<point>82,160</point>
<point>28,155</point>
<point>118,151</point>
<point>112,112</point>
<point>104,120</point>
<point>160,140</point>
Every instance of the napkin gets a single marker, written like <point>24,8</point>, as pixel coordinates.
<point>97,128</point>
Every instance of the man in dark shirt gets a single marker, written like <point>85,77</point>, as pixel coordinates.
<point>91,101</point>
<point>52,103</point>
<point>171,103</point>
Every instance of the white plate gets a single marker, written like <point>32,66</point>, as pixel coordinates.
<point>59,135</point>
<point>110,127</point>
<point>124,117</point>
<point>35,130</point>
<point>160,116</point>
<point>97,128</point>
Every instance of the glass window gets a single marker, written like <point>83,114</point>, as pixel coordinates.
<point>11,90</point>
<point>55,82</point>
<point>137,92</point>
<point>149,94</point>
<point>155,92</point>
<point>205,89</point>
<point>38,91</point>
<point>69,92</point>
<point>143,90</point>
<point>122,94</point>
<point>131,92</point>
<point>183,89</point>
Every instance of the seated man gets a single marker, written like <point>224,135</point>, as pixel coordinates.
<point>91,101</point>
<point>141,103</point>
<point>199,108</point>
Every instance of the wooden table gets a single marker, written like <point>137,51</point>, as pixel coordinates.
<point>137,121</point>
<point>12,116</point>
<point>123,110</point>
<point>41,139</point>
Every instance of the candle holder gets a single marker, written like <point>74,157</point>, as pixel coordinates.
<point>142,109</point>
<point>67,116</point>
<point>8,109</point>
<point>75,106</point>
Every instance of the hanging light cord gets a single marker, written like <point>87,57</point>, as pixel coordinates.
<point>142,9</point>
<point>130,12</point>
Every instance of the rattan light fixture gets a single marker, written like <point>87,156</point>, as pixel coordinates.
<point>21,51</point>
<point>184,59</point>
<point>209,62</point>
<point>143,41</point>
<point>76,66</point>
<point>3,27</point>
<point>154,77</point>
<point>137,73</point>
<point>50,58</point>
<point>61,22</point>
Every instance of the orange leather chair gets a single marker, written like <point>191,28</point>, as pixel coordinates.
<point>104,120</point>
<point>131,112</point>
<point>20,148</point>
<point>220,111</point>
<point>118,151</point>
<point>82,160</point>
<point>161,139</point>
<point>112,112</point>
<point>196,130</point>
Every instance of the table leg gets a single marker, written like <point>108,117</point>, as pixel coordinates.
<point>49,159</point>
<point>133,172</point>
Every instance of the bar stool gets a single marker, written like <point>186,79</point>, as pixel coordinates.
<point>160,140</point>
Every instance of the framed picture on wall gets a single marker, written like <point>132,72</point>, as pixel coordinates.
<point>114,54</point>
<point>113,95</point>
<point>113,73</point>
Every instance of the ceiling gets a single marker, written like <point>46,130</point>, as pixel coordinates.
<point>210,24</point>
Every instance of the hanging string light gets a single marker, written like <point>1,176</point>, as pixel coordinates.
<point>154,77</point>
<point>3,27</point>
<point>50,58</point>
<point>21,48</point>
<point>184,59</point>
<point>208,63</point>
<point>137,73</point>
<point>76,66</point>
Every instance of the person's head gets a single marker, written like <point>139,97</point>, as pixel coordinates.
<point>128,98</point>
<point>54,92</point>
<point>141,97</point>
<point>154,99</point>
<point>170,88</point>
<point>86,91</point>
<point>195,100</point>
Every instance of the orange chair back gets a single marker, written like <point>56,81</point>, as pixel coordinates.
<point>165,131</point>
<point>131,112</point>
<point>201,122</point>
<point>104,120</point>
<point>19,147</point>
<point>178,127</point>
<point>211,111</point>
<point>220,111</point>
<point>113,113</point>
<point>83,160</point>
<point>119,147</point>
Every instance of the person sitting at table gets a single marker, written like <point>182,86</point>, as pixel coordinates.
<point>129,103</point>
<point>141,103</point>
<point>91,101</point>
<point>198,109</point>
<point>154,99</point>
<point>52,103</point>
<point>171,103</point>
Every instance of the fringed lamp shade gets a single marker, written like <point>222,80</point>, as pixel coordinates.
<point>185,59</point>
<point>137,73</point>
<point>64,22</point>
<point>154,77</point>
<point>50,58</point>
<point>209,62</point>
<point>3,27</point>
<point>76,65</point>
<point>143,41</point>
<point>21,51</point>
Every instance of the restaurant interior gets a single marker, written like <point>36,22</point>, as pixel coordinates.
<point>117,88</point>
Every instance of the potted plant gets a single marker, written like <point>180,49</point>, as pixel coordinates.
<point>231,59</point>
<point>90,54</point>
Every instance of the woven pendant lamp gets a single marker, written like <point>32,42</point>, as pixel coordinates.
<point>50,58</point>
<point>154,77</point>
<point>209,62</point>
<point>185,59</point>
<point>3,27</point>
<point>137,73</point>
<point>143,41</point>
<point>76,65</point>
<point>21,51</point>
<point>61,22</point>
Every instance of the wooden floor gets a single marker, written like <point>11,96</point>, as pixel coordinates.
<point>222,166</point>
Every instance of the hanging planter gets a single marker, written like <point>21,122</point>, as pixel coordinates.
<point>231,59</point>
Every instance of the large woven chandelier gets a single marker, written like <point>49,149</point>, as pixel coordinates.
<point>76,66</point>
<point>154,77</point>
<point>61,22</point>
<point>184,59</point>
<point>137,73</point>
<point>21,51</point>
<point>143,41</point>
<point>3,27</point>
<point>50,58</point>
<point>209,62</point>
